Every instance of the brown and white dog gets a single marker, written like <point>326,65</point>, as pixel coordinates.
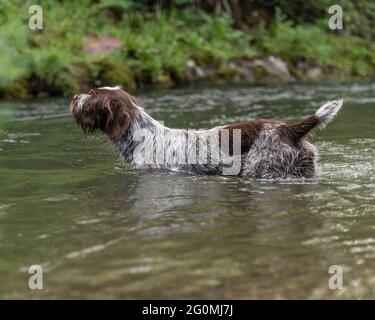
<point>256,149</point>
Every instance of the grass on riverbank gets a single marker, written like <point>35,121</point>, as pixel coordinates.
<point>156,47</point>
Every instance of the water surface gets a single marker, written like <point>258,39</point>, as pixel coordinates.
<point>101,230</point>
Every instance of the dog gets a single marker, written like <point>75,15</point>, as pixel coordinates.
<point>254,149</point>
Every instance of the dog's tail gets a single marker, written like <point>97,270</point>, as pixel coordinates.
<point>321,117</point>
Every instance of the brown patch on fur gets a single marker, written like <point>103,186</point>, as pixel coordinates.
<point>249,132</point>
<point>291,134</point>
<point>302,128</point>
<point>110,111</point>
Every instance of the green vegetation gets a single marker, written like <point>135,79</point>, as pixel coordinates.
<point>159,37</point>
<point>343,56</point>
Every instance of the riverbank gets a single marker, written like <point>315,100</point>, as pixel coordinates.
<point>87,44</point>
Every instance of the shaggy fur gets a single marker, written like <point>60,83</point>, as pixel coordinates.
<point>254,149</point>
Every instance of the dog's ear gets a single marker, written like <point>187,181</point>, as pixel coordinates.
<point>118,120</point>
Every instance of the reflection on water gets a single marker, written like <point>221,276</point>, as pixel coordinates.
<point>101,230</point>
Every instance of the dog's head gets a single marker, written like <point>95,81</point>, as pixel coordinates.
<point>107,109</point>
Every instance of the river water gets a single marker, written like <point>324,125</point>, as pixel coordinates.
<point>102,230</point>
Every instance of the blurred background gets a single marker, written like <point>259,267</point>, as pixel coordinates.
<point>167,43</point>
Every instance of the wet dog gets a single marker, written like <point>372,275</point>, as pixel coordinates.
<point>256,149</point>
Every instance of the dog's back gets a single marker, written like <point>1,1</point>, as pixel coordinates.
<point>253,149</point>
<point>280,150</point>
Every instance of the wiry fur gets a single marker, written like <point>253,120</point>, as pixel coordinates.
<point>272,156</point>
<point>268,148</point>
<point>137,147</point>
<point>328,111</point>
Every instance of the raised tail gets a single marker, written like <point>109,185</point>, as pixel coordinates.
<point>321,117</point>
